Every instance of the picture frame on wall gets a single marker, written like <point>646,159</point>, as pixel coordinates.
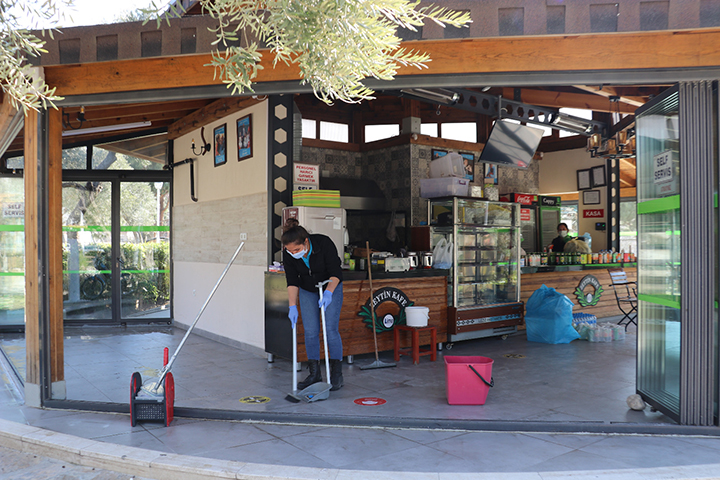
<point>244,134</point>
<point>598,176</point>
<point>591,197</point>
<point>583,179</point>
<point>435,154</point>
<point>491,174</point>
<point>469,165</point>
<point>220,145</point>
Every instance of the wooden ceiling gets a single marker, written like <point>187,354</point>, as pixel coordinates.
<point>177,115</point>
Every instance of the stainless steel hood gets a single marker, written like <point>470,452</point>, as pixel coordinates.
<point>356,194</point>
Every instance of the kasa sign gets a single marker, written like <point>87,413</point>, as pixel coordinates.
<point>594,213</point>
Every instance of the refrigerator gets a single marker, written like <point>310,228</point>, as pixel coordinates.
<point>327,221</point>
<point>548,217</point>
<point>539,218</point>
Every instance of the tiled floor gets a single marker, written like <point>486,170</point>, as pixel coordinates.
<point>577,382</point>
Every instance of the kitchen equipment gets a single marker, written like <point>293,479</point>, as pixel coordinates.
<point>397,264</point>
<point>413,258</point>
<point>427,260</point>
<point>327,221</point>
<point>417,316</point>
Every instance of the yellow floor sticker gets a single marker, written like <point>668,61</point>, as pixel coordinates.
<point>254,399</point>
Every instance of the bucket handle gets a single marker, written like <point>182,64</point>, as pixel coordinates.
<point>492,380</point>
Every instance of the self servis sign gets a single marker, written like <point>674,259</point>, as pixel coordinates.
<point>664,173</point>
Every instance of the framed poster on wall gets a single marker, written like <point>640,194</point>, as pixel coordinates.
<point>244,133</point>
<point>220,145</point>
<point>598,176</point>
<point>583,179</point>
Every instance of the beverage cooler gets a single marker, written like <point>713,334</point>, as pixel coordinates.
<point>484,281</point>
<point>539,218</point>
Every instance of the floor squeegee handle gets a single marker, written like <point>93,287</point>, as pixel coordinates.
<point>187,334</point>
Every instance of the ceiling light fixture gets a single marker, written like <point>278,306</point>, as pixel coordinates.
<point>106,128</point>
<point>574,124</point>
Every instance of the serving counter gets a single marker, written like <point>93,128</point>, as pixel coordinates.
<point>567,279</point>
<point>393,292</point>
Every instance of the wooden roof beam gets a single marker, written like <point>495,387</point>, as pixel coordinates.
<point>666,49</point>
<point>608,92</point>
<point>547,98</point>
<point>210,113</point>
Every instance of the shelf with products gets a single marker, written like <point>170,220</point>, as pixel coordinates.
<point>485,267</point>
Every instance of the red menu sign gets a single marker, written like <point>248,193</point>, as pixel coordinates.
<point>525,215</point>
<point>594,213</point>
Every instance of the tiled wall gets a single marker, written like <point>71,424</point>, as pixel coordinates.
<point>398,170</point>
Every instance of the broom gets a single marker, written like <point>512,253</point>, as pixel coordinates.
<point>377,363</point>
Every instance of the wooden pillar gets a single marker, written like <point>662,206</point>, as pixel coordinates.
<point>33,370</point>
<point>43,257</point>
<point>411,116</point>
<point>55,272</point>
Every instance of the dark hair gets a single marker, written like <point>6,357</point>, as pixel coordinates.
<point>561,224</point>
<point>293,232</point>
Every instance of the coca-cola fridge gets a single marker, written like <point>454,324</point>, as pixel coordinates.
<point>539,218</point>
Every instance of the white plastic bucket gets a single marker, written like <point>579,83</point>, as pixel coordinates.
<point>417,316</point>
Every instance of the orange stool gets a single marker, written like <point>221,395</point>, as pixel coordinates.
<point>414,350</point>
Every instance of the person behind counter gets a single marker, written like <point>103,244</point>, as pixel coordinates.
<point>309,260</point>
<point>558,243</point>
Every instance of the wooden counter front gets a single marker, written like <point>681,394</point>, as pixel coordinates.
<point>427,289</point>
<point>357,337</point>
<point>566,282</point>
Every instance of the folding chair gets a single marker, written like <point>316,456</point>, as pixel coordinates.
<point>626,300</point>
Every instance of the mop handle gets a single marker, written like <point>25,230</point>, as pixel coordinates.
<point>325,344</point>
<point>294,365</point>
<point>187,334</point>
<point>372,307</point>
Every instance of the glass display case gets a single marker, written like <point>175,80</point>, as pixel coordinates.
<point>484,279</point>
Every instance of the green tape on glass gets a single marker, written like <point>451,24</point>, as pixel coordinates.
<point>12,228</point>
<point>12,274</point>
<point>106,228</point>
<point>659,205</point>
<point>664,300</point>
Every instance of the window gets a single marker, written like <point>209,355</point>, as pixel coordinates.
<point>374,133</point>
<point>309,128</point>
<point>334,132</point>
<point>465,131</point>
<point>430,129</point>
<point>569,215</point>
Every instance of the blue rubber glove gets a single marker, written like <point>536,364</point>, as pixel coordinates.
<point>293,315</point>
<point>325,300</point>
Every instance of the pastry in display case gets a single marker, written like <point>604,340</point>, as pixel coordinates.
<point>484,280</point>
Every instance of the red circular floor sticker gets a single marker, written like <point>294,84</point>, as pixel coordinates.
<point>370,401</point>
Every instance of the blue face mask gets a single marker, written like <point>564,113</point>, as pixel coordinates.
<point>299,254</point>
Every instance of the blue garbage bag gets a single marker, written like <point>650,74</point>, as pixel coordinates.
<point>548,317</point>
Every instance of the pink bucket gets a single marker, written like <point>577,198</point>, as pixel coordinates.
<point>468,379</point>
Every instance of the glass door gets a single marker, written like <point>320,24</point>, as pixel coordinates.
<point>144,250</point>
<point>658,222</point>
<point>12,254</point>
<point>116,237</point>
<point>87,250</point>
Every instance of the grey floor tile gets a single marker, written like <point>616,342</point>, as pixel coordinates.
<point>415,459</point>
<point>138,438</point>
<point>201,438</point>
<point>577,461</point>
<point>341,447</point>
<point>647,451</point>
<point>499,452</point>
<point>272,452</point>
